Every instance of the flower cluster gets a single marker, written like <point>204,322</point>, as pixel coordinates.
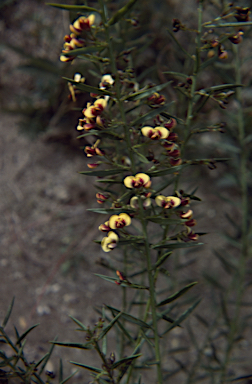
<point>73,40</point>
<point>92,114</point>
<point>171,146</point>
<point>115,222</point>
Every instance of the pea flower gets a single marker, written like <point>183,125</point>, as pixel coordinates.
<point>106,81</point>
<point>137,181</point>
<point>119,221</point>
<point>104,227</point>
<point>167,202</point>
<point>155,133</point>
<point>96,109</point>
<point>109,242</point>
<point>82,24</point>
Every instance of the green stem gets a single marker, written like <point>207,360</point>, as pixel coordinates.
<point>144,228</point>
<point>152,291</point>
<point>196,69</point>
<point>240,278</point>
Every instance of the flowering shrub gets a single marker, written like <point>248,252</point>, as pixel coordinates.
<point>140,151</point>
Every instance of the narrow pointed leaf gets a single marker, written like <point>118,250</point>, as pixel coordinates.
<point>109,326</point>
<point>234,24</point>
<point>88,88</point>
<point>161,260</point>
<point>88,367</point>
<point>149,115</point>
<point>183,316</point>
<point>72,345</point>
<point>166,171</point>
<point>60,371</point>
<point>131,319</point>
<point>164,221</point>
<point>177,294</point>
<point>125,360</point>
<point>7,316</point>
<point>176,74</point>
<point>110,210</point>
<point>77,8</point>
<point>104,172</point>
<point>26,333</point>
<point>81,325</point>
<point>68,377</point>
<point>121,12</point>
<point>146,92</point>
<point>141,157</point>
<point>176,245</point>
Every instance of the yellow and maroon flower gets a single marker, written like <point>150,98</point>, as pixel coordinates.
<point>106,81</point>
<point>104,227</point>
<point>170,123</point>
<point>101,197</point>
<point>167,202</point>
<point>109,242</point>
<point>155,133</point>
<point>94,150</point>
<point>96,109</point>
<point>137,181</point>
<point>119,221</point>
<point>82,24</point>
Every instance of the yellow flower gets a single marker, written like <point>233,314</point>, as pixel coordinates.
<point>82,24</point>
<point>109,243</point>
<point>155,133</point>
<point>106,81</point>
<point>119,221</point>
<point>95,109</point>
<point>167,202</point>
<point>137,181</point>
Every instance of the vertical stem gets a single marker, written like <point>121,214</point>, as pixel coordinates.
<point>143,222</point>
<point>152,292</point>
<point>240,278</point>
<point>196,69</point>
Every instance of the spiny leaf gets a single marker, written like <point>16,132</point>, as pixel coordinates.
<point>121,12</point>
<point>77,8</point>
<point>68,377</point>
<point>88,367</point>
<point>161,260</point>
<point>26,333</point>
<point>164,221</point>
<point>125,360</point>
<point>166,171</point>
<point>109,326</point>
<point>104,172</point>
<point>182,317</point>
<point>141,157</point>
<point>234,24</point>
<point>149,115</point>
<point>176,74</point>
<point>146,92</point>
<point>82,326</point>
<point>177,294</point>
<point>110,210</point>
<point>131,319</point>
<point>176,245</point>
<point>72,345</point>
<point>9,310</point>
